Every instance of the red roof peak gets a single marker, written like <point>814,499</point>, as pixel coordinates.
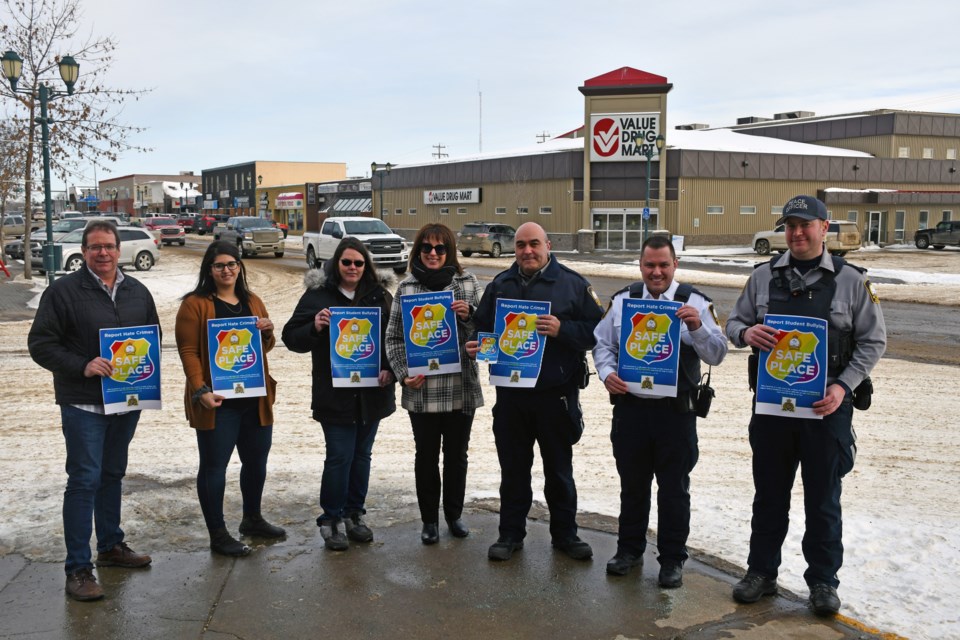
<point>625,76</point>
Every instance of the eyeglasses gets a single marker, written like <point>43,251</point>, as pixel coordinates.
<point>220,266</point>
<point>357,263</point>
<point>439,248</point>
<point>97,248</point>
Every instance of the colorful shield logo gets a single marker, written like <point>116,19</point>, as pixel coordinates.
<point>650,338</point>
<point>794,358</point>
<point>235,352</point>
<point>520,338</point>
<point>131,360</point>
<point>355,342</point>
<point>429,327</point>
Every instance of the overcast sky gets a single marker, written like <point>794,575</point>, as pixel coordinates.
<point>385,80</point>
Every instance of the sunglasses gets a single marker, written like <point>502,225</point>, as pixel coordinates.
<point>220,266</point>
<point>439,248</point>
<point>357,263</point>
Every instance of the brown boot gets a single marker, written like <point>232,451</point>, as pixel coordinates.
<point>122,556</point>
<point>82,586</point>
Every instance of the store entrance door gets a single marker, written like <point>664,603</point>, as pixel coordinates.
<point>620,229</point>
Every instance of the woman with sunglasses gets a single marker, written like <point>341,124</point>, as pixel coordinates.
<point>441,406</point>
<point>222,425</point>
<point>349,417</point>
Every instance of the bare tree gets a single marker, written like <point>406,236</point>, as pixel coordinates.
<point>11,168</point>
<point>85,125</point>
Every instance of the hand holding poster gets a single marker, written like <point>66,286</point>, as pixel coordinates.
<point>793,375</point>
<point>355,346</point>
<point>649,346</point>
<point>134,353</point>
<point>430,333</point>
<point>521,347</point>
<point>236,357</point>
<point>487,348</point>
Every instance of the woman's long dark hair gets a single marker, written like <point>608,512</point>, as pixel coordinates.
<point>206,286</point>
<point>368,281</point>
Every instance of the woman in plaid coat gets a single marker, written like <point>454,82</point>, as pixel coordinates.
<point>441,406</point>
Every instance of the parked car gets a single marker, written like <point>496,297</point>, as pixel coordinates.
<point>947,232</point>
<point>61,228</point>
<point>186,220</point>
<point>206,223</point>
<point>15,225</point>
<point>166,229</point>
<point>251,235</point>
<point>138,247</point>
<point>842,236</point>
<point>486,237</point>
<point>387,249</point>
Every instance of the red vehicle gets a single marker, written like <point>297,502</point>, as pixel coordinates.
<point>206,222</point>
<point>167,229</point>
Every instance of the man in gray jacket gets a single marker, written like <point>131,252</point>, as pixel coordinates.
<point>807,281</point>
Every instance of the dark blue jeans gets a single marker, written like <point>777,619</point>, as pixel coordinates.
<point>96,463</point>
<point>825,451</point>
<point>431,432</point>
<point>346,469</point>
<point>237,426</point>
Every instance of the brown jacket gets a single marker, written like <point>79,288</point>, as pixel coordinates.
<point>191,334</point>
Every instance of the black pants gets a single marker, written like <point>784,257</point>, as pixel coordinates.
<point>651,439</point>
<point>431,431</point>
<point>825,451</point>
<point>520,418</point>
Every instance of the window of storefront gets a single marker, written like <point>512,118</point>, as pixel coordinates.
<point>923,219</point>
<point>903,152</point>
<point>747,210</point>
<point>444,211</point>
<point>546,211</point>
<point>522,211</point>
<point>412,211</point>
<point>851,216</point>
<point>461,211</point>
<point>899,220</point>
<point>398,212</point>
<point>947,215</point>
<point>500,211</point>
<point>927,153</point>
<point>951,154</point>
<point>776,210</point>
<point>714,210</point>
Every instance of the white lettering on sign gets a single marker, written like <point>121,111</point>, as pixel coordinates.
<point>624,137</point>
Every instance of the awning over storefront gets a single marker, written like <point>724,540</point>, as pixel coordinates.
<point>289,200</point>
<point>347,206</point>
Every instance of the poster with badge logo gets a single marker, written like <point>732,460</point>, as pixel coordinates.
<point>355,346</point>
<point>487,347</point>
<point>236,357</point>
<point>649,357</point>
<point>134,353</point>
<point>430,332</point>
<point>520,347</point>
<point>793,375</point>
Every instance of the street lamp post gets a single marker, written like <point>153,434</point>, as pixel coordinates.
<point>660,141</point>
<point>69,70</point>
<point>380,168</point>
<point>183,197</point>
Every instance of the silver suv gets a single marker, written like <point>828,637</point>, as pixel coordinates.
<point>486,237</point>
<point>842,236</point>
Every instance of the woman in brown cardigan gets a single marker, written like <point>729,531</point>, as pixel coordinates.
<point>224,424</point>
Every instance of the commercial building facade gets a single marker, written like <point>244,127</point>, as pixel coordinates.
<point>892,172</point>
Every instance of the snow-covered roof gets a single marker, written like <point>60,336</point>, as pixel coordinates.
<point>694,140</point>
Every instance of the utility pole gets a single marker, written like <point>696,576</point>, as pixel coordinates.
<point>439,153</point>
<point>543,137</point>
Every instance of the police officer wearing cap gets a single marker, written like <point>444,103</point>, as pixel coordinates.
<point>807,281</point>
<point>657,436</point>
<point>548,414</point>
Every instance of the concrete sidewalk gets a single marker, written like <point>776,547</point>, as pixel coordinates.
<point>14,296</point>
<point>398,588</point>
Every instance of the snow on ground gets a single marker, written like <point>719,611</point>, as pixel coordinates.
<point>901,518</point>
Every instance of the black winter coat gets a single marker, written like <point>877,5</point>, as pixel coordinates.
<point>338,405</point>
<point>65,335</point>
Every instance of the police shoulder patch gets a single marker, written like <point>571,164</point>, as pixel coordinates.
<point>713,312</point>
<point>871,291</point>
<point>596,298</point>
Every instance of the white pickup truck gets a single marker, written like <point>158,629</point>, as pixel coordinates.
<point>386,248</point>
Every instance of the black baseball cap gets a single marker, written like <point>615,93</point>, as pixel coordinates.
<point>805,207</point>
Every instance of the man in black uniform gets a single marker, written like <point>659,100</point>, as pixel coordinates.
<point>657,436</point>
<point>548,414</point>
<point>806,282</point>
